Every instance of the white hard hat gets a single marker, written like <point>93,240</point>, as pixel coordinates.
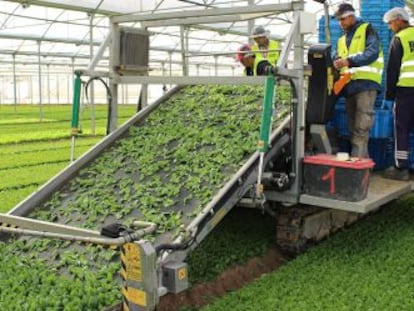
<point>396,13</point>
<point>259,31</point>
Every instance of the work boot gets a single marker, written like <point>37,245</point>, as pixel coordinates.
<point>397,173</point>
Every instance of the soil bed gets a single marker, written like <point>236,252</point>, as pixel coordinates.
<point>230,280</point>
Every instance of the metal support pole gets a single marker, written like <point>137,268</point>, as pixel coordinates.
<point>113,84</point>
<point>184,42</point>
<point>127,94</point>
<point>68,78</point>
<point>170,64</point>
<point>31,90</point>
<point>144,88</point>
<point>48,83</point>
<point>250,23</point>
<point>14,82</point>
<point>92,86</point>
<point>298,40</point>
<point>97,57</point>
<point>57,89</point>
<point>144,95</point>
<point>40,83</point>
<point>216,65</point>
<point>123,93</point>
<point>164,87</point>
<point>71,79</point>
<point>327,30</point>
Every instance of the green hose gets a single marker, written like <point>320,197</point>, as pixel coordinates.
<point>76,105</point>
<point>267,112</point>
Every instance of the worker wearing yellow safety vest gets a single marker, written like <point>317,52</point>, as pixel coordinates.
<point>359,53</point>
<point>265,48</point>
<point>252,66</point>
<point>400,88</point>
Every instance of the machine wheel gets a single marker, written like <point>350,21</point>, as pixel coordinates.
<point>300,226</point>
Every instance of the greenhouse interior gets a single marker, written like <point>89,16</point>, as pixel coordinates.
<point>147,166</point>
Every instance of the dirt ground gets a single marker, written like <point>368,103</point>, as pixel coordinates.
<point>230,280</point>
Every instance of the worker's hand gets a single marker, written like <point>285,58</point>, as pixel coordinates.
<point>340,63</point>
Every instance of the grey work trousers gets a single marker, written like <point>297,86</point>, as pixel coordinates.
<point>360,114</point>
<point>403,123</point>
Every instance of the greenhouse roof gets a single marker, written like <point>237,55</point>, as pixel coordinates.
<point>64,33</point>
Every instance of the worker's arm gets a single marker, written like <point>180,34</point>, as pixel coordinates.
<point>372,50</point>
<point>393,68</point>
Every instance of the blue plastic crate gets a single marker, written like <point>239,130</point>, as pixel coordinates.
<point>340,121</point>
<point>334,28</point>
<point>381,151</point>
<point>381,103</point>
<point>385,36</point>
<point>375,18</point>
<point>375,5</point>
<point>383,125</point>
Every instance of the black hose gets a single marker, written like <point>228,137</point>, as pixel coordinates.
<point>292,129</point>
<point>109,98</point>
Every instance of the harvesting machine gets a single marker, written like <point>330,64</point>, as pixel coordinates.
<point>295,174</point>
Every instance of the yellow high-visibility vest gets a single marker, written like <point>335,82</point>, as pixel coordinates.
<point>406,78</point>
<point>372,71</point>
<point>271,57</point>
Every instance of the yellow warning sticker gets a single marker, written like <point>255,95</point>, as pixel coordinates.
<point>132,262</point>
<point>136,296</point>
<point>182,274</point>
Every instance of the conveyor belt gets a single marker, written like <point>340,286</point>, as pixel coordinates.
<point>167,165</point>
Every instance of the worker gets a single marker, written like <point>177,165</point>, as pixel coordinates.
<point>252,67</point>
<point>359,53</point>
<point>246,57</point>
<point>400,88</point>
<point>265,48</point>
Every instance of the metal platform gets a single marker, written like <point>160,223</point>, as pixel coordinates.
<point>380,192</point>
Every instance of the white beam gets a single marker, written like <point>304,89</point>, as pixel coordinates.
<point>200,14</point>
<point>64,6</point>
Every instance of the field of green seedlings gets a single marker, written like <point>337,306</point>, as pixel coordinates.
<point>366,267</point>
<point>32,152</point>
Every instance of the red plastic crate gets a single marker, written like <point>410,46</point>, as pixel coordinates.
<point>327,177</point>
